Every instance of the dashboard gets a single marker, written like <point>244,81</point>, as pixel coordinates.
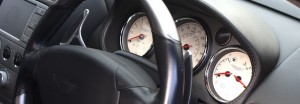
<point>239,54</point>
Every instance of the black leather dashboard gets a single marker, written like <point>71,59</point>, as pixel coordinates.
<point>270,38</point>
<point>263,49</point>
<point>281,86</point>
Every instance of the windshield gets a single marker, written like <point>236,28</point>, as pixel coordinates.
<point>288,7</point>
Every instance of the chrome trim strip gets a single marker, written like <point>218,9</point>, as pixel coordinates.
<point>20,99</point>
<point>77,34</point>
<point>4,77</point>
<point>165,25</point>
<point>39,4</point>
<point>7,34</point>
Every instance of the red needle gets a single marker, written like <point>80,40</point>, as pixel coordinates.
<point>186,46</point>
<point>139,36</point>
<point>239,80</point>
<point>225,73</point>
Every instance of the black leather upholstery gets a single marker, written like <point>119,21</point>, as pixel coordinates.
<point>77,75</point>
<point>147,66</point>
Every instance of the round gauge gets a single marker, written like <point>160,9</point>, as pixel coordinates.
<point>136,36</point>
<point>228,74</point>
<point>193,38</point>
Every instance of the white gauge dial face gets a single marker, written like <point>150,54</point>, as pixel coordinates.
<point>139,38</point>
<point>231,75</point>
<point>194,39</point>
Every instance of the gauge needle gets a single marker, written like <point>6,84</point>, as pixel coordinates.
<point>186,46</point>
<point>239,80</point>
<point>139,36</point>
<point>224,73</point>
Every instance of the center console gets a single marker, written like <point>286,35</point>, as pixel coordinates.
<point>18,20</point>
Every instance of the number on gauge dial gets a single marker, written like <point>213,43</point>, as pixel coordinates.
<point>193,38</point>
<point>229,74</point>
<point>137,35</point>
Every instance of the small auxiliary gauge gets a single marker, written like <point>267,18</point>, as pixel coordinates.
<point>228,74</point>
<point>193,38</point>
<point>136,35</point>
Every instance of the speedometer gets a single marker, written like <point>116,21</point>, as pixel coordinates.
<point>228,74</point>
<point>193,38</point>
<point>136,36</point>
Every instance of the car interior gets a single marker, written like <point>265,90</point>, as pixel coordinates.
<point>149,51</point>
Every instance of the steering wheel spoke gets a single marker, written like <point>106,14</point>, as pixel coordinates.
<point>76,28</point>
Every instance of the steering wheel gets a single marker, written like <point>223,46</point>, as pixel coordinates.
<point>66,74</point>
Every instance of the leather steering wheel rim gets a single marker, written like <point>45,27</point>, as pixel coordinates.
<point>166,42</point>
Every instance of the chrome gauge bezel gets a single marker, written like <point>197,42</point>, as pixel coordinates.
<point>210,68</point>
<point>124,33</point>
<point>184,20</point>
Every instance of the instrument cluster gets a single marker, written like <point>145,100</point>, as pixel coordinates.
<point>136,37</point>
<point>227,66</point>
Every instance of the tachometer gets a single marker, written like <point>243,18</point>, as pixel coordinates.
<point>228,74</point>
<point>136,36</point>
<point>193,38</point>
